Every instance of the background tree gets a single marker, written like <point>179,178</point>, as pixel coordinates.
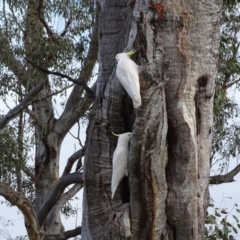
<point>29,34</point>
<point>177,47</point>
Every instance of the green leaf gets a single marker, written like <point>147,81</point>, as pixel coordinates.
<point>224,212</point>
<point>235,218</point>
<point>235,230</point>
<point>226,230</point>
<point>217,214</point>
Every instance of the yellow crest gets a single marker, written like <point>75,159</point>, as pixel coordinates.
<point>130,53</point>
<point>117,135</point>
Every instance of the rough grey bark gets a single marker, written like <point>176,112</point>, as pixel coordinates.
<point>179,41</point>
<point>106,117</point>
<point>190,43</point>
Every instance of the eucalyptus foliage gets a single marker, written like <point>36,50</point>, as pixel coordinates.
<point>221,223</point>
<point>61,48</point>
<point>226,109</point>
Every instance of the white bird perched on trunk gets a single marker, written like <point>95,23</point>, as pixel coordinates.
<point>120,160</point>
<point>127,74</point>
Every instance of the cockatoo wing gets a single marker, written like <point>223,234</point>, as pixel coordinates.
<point>127,73</point>
<point>120,158</point>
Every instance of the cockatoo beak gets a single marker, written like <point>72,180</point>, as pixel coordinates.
<point>117,135</point>
<point>130,53</point>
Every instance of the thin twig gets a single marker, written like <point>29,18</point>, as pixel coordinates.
<point>55,93</point>
<point>67,25</point>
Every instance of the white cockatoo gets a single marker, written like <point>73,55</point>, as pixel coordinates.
<point>127,74</point>
<point>120,160</point>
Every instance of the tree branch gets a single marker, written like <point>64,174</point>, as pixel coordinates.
<point>17,109</point>
<point>56,193</point>
<point>66,235</point>
<point>43,21</point>
<point>76,106</point>
<point>68,195</point>
<point>71,233</point>
<point>72,160</point>
<point>226,178</point>
<point>76,109</point>
<point>55,93</point>
<point>77,81</point>
<point>225,87</point>
<point>63,199</point>
<point>8,58</point>
<point>29,173</point>
<point>19,199</point>
<point>67,25</point>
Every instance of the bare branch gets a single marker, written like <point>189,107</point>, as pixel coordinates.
<point>226,178</point>
<point>69,194</point>
<point>56,193</point>
<point>75,109</point>
<point>66,235</point>
<point>230,84</point>
<point>71,233</point>
<point>43,21</point>
<point>63,199</point>
<point>24,103</point>
<point>72,160</point>
<point>19,199</point>
<point>77,81</point>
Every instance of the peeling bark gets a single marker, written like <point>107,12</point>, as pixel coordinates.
<point>25,206</point>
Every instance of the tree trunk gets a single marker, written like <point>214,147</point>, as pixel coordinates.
<point>48,141</point>
<point>177,44</point>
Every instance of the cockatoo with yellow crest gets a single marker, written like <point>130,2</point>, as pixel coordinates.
<point>120,160</point>
<point>127,74</point>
